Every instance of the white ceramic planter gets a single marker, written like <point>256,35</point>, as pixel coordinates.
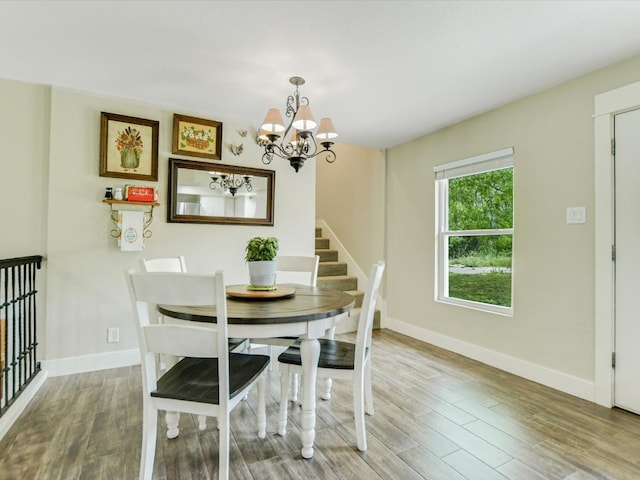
<point>263,273</point>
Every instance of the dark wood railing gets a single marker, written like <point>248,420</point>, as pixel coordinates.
<point>18,334</point>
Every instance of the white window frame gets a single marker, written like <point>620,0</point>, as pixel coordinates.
<point>469,166</point>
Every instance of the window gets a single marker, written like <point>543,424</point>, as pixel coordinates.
<point>474,221</point>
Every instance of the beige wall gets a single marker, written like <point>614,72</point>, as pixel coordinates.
<point>24,136</point>
<point>350,198</point>
<point>552,329</point>
<point>86,292</point>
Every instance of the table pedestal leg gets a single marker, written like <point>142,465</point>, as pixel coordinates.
<point>309,353</point>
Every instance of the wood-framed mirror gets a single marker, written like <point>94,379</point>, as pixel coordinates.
<point>204,192</point>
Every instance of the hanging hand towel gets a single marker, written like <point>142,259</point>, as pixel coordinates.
<point>131,230</point>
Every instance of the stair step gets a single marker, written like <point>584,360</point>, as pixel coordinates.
<point>334,274</point>
<point>358,295</point>
<point>339,282</point>
<point>322,243</point>
<point>326,269</point>
<point>327,255</point>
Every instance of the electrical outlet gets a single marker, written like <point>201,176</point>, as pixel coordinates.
<point>113,335</point>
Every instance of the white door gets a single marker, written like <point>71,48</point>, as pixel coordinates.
<point>627,264</point>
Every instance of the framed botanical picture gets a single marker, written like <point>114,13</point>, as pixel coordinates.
<point>128,147</point>
<point>197,137</point>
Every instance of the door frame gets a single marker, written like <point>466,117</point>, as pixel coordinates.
<point>606,106</point>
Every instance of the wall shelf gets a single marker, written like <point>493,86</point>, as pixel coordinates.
<point>148,215</point>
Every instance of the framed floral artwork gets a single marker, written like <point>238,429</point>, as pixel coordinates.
<point>128,147</point>
<point>197,137</point>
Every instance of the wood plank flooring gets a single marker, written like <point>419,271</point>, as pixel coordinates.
<point>438,416</point>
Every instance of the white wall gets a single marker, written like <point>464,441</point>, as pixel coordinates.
<point>551,336</point>
<point>85,291</point>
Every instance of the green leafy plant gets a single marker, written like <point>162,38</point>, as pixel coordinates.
<point>261,249</point>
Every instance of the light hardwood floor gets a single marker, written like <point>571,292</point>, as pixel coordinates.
<point>438,416</point>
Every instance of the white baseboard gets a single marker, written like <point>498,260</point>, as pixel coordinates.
<point>11,415</point>
<point>91,363</point>
<point>551,378</point>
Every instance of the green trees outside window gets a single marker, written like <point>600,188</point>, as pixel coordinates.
<point>479,235</point>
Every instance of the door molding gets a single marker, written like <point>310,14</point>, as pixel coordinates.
<point>606,105</point>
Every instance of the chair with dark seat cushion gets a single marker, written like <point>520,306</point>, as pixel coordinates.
<point>207,380</point>
<point>341,360</point>
<point>179,265</point>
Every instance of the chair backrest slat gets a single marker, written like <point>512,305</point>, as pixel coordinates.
<point>298,264</point>
<point>175,288</point>
<point>167,264</point>
<point>365,322</point>
<point>181,340</point>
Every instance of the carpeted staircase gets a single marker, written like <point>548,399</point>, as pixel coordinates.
<point>332,273</point>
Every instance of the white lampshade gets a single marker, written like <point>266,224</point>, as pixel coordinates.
<point>273,122</point>
<point>304,120</point>
<point>326,130</point>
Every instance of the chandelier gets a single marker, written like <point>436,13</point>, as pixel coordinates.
<point>301,144</point>
<point>229,183</point>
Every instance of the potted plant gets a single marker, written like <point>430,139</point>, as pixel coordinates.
<point>260,254</point>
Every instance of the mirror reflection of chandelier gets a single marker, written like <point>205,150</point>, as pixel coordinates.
<point>301,144</point>
<point>230,183</point>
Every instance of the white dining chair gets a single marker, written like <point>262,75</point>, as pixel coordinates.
<point>208,380</point>
<point>341,360</point>
<point>179,265</point>
<point>290,269</point>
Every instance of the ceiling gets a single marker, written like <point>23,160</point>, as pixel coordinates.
<point>385,71</point>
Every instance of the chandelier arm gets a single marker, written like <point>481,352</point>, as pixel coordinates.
<point>311,149</point>
<point>278,151</point>
<point>331,155</point>
<point>285,135</point>
<point>282,151</point>
<point>292,106</point>
<point>267,157</point>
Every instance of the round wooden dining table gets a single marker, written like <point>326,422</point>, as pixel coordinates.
<point>307,312</point>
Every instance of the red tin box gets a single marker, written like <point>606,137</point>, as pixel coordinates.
<point>140,194</point>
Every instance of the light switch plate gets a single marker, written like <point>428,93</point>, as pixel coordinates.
<point>113,335</point>
<point>576,214</point>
